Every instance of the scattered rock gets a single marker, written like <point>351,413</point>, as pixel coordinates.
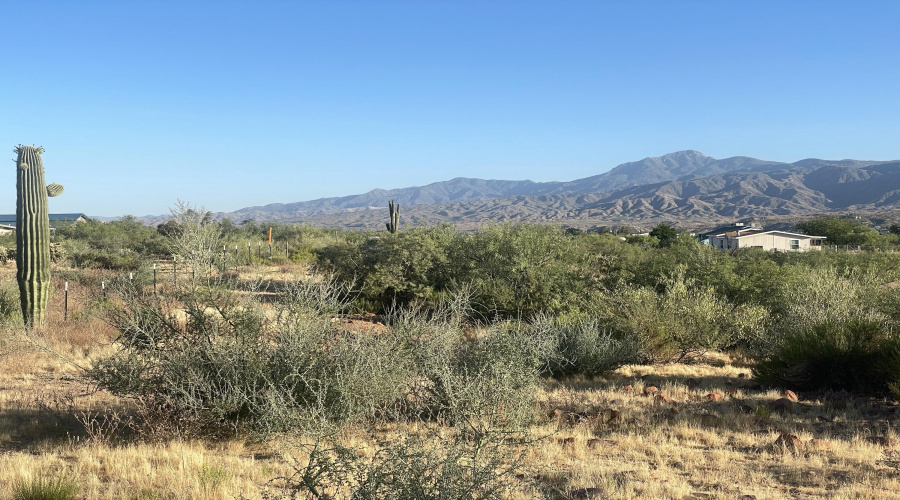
<point>790,395</point>
<point>628,388</point>
<point>664,399</point>
<point>650,390</point>
<point>743,375</point>
<point>677,465</point>
<point>594,442</point>
<point>714,396</point>
<point>789,441</point>
<point>731,391</point>
<point>782,405</point>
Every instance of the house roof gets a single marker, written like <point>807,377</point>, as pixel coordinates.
<point>731,228</point>
<point>782,233</point>
<point>11,219</point>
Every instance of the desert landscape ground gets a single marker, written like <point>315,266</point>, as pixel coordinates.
<point>702,427</point>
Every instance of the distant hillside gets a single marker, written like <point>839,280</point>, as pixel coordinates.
<point>686,185</point>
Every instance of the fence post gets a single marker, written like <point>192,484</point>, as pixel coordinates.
<point>66,304</point>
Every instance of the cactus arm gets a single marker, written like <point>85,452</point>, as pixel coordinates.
<point>55,189</point>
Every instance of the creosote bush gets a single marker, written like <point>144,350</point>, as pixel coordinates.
<point>216,361</point>
<point>858,355</point>
<point>684,318</point>
<point>585,346</point>
<point>473,466</point>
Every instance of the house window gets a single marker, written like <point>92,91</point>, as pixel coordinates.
<point>795,244</point>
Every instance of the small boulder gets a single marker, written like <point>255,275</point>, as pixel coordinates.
<point>714,396</point>
<point>662,398</point>
<point>790,395</point>
<point>650,390</point>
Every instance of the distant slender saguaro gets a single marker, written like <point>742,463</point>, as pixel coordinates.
<point>394,213</point>
<point>33,233</point>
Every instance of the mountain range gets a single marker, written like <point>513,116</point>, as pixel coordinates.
<point>680,186</point>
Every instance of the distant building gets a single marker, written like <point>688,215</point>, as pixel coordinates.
<point>56,220</point>
<point>740,235</point>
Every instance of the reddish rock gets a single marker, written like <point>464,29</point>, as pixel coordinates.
<point>790,395</point>
<point>714,396</point>
<point>650,390</point>
<point>662,398</point>
<point>628,388</point>
<point>555,414</point>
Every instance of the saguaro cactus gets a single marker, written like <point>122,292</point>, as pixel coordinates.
<point>33,233</point>
<point>394,212</point>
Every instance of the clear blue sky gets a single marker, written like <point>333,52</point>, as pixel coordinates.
<point>234,104</point>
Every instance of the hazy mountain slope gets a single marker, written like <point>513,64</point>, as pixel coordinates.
<point>682,164</point>
<point>677,186</point>
<point>741,193</point>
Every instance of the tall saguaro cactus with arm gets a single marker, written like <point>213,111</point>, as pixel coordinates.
<point>394,212</point>
<point>33,233</point>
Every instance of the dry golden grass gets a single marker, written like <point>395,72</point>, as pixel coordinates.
<point>594,433</point>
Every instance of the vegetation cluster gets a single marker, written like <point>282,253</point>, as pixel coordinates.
<point>471,324</point>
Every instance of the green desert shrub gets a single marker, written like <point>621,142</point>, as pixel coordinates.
<point>490,379</point>
<point>520,270</point>
<point>585,347</point>
<point>222,364</point>
<point>855,355</point>
<point>685,318</point>
<point>226,365</point>
<point>477,466</point>
<point>43,487</point>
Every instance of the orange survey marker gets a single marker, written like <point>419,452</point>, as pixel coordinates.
<point>270,235</point>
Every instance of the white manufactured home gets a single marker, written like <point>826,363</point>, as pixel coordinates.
<point>752,237</point>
